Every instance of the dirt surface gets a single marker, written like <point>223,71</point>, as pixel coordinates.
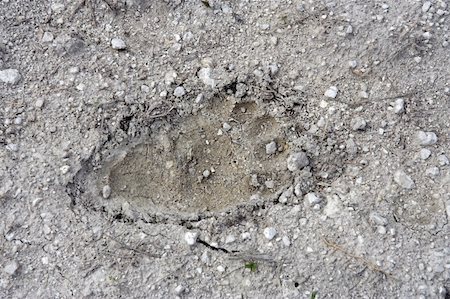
<point>224,149</point>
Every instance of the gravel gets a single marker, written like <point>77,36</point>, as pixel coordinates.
<point>204,75</point>
<point>106,192</point>
<point>403,180</point>
<point>331,92</point>
<point>311,199</point>
<point>118,44</point>
<point>226,127</point>
<point>11,268</point>
<point>179,91</point>
<point>297,161</point>
<point>271,148</point>
<point>270,233</point>
<point>426,138</point>
<point>399,106</point>
<point>191,238</point>
<point>39,103</point>
<point>358,124</point>
<point>10,76</point>
<point>424,153</point>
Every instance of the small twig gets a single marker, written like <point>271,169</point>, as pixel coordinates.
<point>369,264</point>
<point>162,114</point>
<point>125,246</point>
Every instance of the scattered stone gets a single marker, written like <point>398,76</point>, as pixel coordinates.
<point>221,268</point>
<point>399,106</point>
<point>298,190</point>
<point>286,241</point>
<point>358,124</point>
<point>331,92</point>
<point>426,138</point>
<point>11,268</point>
<point>286,195</point>
<point>270,233</point>
<point>10,76</point>
<point>352,64</point>
<point>106,192</point>
<point>270,184</point>
<point>426,6</point>
<point>118,44</point>
<point>403,180</point>
<point>169,77</point>
<point>425,153</point>
<point>254,181</point>
<point>179,290</point>
<point>65,169</point>
<point>312,199</point>
<point>297,161</point>
<point>230,239</point>
<point>271,148</point>
<point>351,146</point>
<point>179,91</point>
<point>378,219</point>
<point>39,103</point>
<point>205,257</point>
<point>191,238</point>
<point>47,37</point>
<point>13,147</point>
<point>226,127</point>
<point>204,74</point>
<point>245,236</point>
<point>206,173</point>
<point>381,230</point>
<point>442,160</point>
<point>432,171</point>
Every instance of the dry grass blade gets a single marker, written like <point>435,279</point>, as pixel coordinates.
<point>369,264</point>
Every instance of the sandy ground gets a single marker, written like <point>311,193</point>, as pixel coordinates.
<point>224,149</point>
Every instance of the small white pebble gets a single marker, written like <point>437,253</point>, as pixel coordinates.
<point>425,153</point>
<point>286,241</point>
<point>331,92</point>
<point>245,235</point>
<point>11,268</point>
<point>191,238</point>
<point>106,192</point>
<point>270,233</point>
<point>205,257</point>
<point>312,199</point>
<point>443,160</point>
<point>221,268</point>
<point>358,124</point>
<point>65,169</point>
<point>47,37</point>
<point>226,127</point>
<point>426,6</point>
<point>118,44</point>
<point>179,91</point>
<point>270,184</point>
<point>381,230</point>
<point>403,180</point>
<point>230,239</point>
<point>352,64</point>
<point>10,76</point>
<point>399,106</point>
<point>206,173</point>
<point>39,103</point>
<point>426,138</point>
<point>271,148</point>
<point>179,289</point>
<point>297,161</point>
<point>432,171</point>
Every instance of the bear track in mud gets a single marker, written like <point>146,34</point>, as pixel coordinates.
<point>193,169</point>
